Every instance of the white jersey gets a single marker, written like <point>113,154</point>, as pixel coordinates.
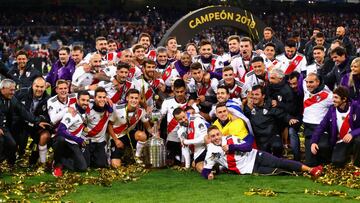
<point>109,70</point>
<point>109,58</point>
<point>194,134</point>
<point>57,109</point>
<point>117,96</point>
<point>312,68</point>
<point>81,78</point>
<point>169,74</point>
<point>251,79</point>
<point>341,121</point>
<point>297,63</point>
<point>124,122</point>
<point>208,89</point>
<point>151,54</point>
<point>316,105</point>
<point>167,109</point>
<point>269,65</point>
<point>134,72</point>
<point>237,90</point>
<point>238,162</point>
<point>147,89</point>
<point>215,65</point>
<point>74,124</point>
<point>236,62</point>
<point>96,123</point>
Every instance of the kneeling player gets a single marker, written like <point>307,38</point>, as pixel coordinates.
<point>69,140</point>
<point>123,121</point>
<point>238,156</point>
<point>192,134</point>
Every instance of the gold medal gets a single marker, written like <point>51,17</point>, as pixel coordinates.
<point>86,129</point>
<point>156,97</point>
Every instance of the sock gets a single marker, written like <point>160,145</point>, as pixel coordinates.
<point>139,147</point>
<point>185,151</point>
<point>42,153</point>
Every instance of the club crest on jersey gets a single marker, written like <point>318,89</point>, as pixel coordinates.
<point>253,112</point>
<point>27,74</point>
<point>279,98</point>
<point>216,155</point>
<point>318,98</point>
<point>265,111</point>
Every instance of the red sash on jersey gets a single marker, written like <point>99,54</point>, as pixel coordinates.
<point>230,157</point>
<point>204,89</point>
<point>110,56</point>
<point>344,127</point>
<point>173,123</point>
<point>315,99</point>
<point>212,65</point>
<point>98,127</point>
<point>167,73</point>
<point>191,134</point>
<point>120,92</point>
<point>236,92</point>
<point>149,92</point>
<point>133,120</point>
<point>293,64</point>
<point>75,132</point>
<point>152,54</point>
<point>132,72</point>
<point>72,101</point>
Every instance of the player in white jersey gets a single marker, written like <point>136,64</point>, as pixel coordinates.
<point>233,84</point>
<point>291,60</point>
<point>83,76</point>
<point>96,125</point>
<point>258,76</point>
<point>120,85</point>
<point>58,105</point>
<point>319,61</point>
<point>145,40</point>
<point>149,86</point>
<point>201,89</point>
<point>121,128</point>
<point>107,58</point>
<point>234,49</point>
<point>247,54</point>
<point>167,108</point>
<point>237,156</point>
<point>70,141</point>
<point>317,100</point>
<point>211,63</point>
<point>192,134</point>
<point>138,51</point>
<point>270,60</point>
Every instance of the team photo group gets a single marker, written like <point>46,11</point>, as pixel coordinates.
<point>214,112</point>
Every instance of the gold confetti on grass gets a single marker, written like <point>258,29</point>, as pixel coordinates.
<point>17,191</point>
<point>260,192</point>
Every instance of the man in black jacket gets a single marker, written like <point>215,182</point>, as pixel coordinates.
<point>22,73</point>
<point>35,100</point>
<point>10,106</point>
<point>265,120</point>
<point>270,38</point>
<point>342,66</point>
<point>347,44</point>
